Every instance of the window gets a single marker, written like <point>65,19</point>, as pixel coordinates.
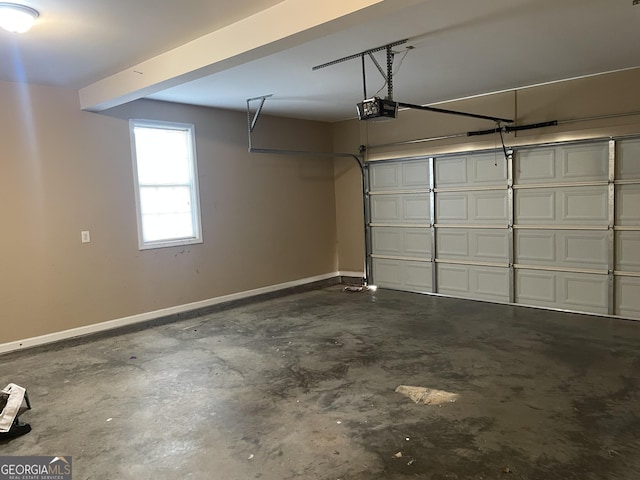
<point>166,178</point>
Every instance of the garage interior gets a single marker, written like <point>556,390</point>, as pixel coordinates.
<point>496,264</point>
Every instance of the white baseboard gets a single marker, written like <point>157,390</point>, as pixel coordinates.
<point>143,317</point>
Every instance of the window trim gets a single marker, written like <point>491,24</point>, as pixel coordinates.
<point>195,190</point>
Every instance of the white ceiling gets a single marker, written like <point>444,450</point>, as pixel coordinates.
<point>462,48</point>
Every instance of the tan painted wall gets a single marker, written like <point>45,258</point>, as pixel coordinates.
<point>601,95</point>
<point>349,201</point>
<point>266,219</point>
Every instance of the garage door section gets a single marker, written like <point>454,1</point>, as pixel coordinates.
<point>561,227</point>
<point>627,231</point>
<point>401,242</point>
<point>472,226</point>
<point>552,226</point>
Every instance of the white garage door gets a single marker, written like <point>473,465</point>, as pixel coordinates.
<point>555,226</point>
<point>627,230</point>
<point>471,223</point>
<point>561,227</point>
<point>400,225</point>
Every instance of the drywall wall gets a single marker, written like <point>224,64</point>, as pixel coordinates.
<point>349,198</point>
<point>266,219</point>
<point>596,96</point>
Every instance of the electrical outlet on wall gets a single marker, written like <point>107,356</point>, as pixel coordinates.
<point>85,236</point>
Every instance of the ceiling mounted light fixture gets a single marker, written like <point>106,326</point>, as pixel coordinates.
<point>16,18</point>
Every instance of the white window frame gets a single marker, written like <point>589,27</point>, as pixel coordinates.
<point>193,184</point>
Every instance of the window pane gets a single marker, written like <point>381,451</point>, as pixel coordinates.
<point>165,200</point>
<point>162,155</point>
<point>167,184</point>
<point>167,226</point>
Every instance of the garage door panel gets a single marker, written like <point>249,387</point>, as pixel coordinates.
<point>565,290</point>
<point>386,209</point>
<point>475,245</point>
<point>452,243</point>
<point>585,206</point>
<point>535,166</point>
<point>535,206</point>
<point>581,163</point>
<point>536,288</point>
<point>402,274</point>
<point>490,283</point>
<point>489,169</point>
<point>398,176</point>
<point>569,206</point>
<point>563,164</point>
<point>490,245</point>
<point>401,242</point>
<point>415,209</point>
<point>535,247</point>
<point>388,273</point>
<point>385,176</point>
<point>628,160</point>
<point>471,170</point>
<point>453,280</point>
<point>451,171</point>
<point>400,209</point>
<point>583,249</point>
<point>417,242</point>
<point>476,208</point>
<point>475,282</point>
<point>628,205</point>
<point>415,174</point>
<point>628,251</point>
<point>489,206</point>
<point>562,248</point>
<point>386,241</point>
<point>627,298</point>
<point>451,208</point>
<point>583,292</point>
<point>417,276</point>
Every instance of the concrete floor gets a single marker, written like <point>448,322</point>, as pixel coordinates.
<point>303,387</point>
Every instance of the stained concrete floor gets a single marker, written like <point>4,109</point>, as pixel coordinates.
<point>302,387</point>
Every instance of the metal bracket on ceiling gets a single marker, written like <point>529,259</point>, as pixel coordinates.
<point>253,120</point>
<point>361,54</point>
<point>388,75</point>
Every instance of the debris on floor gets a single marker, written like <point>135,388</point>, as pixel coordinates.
<point>427,396</point>
<point>354,289</point>
<point>398,455</point>
<point>14,401</point>
<point>612,452</point>
<point>360,288</point>
<point>506,469</point>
